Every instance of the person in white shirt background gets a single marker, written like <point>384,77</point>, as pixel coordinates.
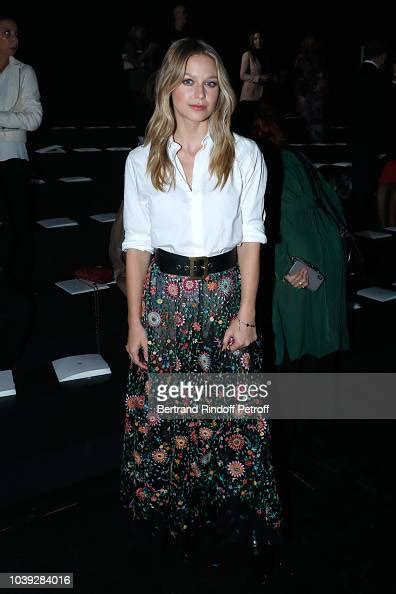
<point>194,197</point>
<point>20,111</point>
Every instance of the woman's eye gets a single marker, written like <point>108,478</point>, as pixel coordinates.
<point>187,81</point>
<point>212,84</point>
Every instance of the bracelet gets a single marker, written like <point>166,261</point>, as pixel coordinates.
<point>245,323</point>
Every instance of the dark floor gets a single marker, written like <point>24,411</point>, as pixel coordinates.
<point>60,446</point>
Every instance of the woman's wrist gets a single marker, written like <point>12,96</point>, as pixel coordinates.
<point>247,317</point>
<point>250,324</point>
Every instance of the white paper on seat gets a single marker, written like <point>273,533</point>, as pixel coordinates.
<point>377,294</point>
<point>37,181</point>
<point>87,149</point>
<point>297,144</point>
<point>392,229</point>
<point>75,286</point>
<point>96,127</point>
<point>318,165</point>
<point>118,148</point>
<point>64,128</point>
<point>342,164</point>
<point>127,127</point>
<point>57,223</point>
<point>53,149</point>
<point>80,366</point>
<point>7,386</point>
<point>373,234</point>
<point>104,217</point>
<point>75,179</point>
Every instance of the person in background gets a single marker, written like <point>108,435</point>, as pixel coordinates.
<point>304,213</point>
<point>141,54</point>
<point>254,71</point>
<point>367,131</point>
<point>386,194</point>
<point>311,86</point>
<point>20,112</point>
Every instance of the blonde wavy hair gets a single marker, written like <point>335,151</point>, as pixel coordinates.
<point>162,124</point>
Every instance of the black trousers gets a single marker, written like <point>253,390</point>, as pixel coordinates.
<point>366,168</point>
<point>16,250</point>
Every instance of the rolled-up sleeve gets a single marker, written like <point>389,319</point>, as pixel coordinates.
<point>137,225</point>
<point>252,201</point>
<point>30,113</point>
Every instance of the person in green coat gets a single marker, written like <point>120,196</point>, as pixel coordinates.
<point>307,325</point>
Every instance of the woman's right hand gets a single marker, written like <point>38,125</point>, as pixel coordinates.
<point>299,280</point>
<point>137,339</point>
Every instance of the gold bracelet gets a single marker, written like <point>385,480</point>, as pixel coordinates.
<point>245,323</point>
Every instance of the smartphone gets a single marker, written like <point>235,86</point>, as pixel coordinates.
<point>315,277</point>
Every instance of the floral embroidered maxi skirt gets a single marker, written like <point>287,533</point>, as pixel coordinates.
<point>181,473</point>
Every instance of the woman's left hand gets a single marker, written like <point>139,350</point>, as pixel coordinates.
<point>238,335</point>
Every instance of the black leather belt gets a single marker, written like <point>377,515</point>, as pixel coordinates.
<point>197,267</point>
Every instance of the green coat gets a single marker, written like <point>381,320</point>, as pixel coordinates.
<point>307,322</point>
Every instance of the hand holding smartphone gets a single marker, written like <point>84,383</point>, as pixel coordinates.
<point>315,277</point>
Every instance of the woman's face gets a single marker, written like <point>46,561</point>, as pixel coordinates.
<point>195,99</point>
<point>8,38</point>
<point>257,41</point>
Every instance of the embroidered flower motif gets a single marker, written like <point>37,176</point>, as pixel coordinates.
<point>181,442</point>
<point>245,360</point>
<point>196,326</point>
<point>139,402</point>
<point>261,425</point>
<point>154,319</point>
<point>130,402</point>
<point>204,361</point>
<point>205,433</point>
<point>154,419</point>
<point>137,457</point>
<point>189,285</point>
<point>128,425</point>
<point>226,285</point>
<point>179,319</point>
<point>236,441</point>
<point>178,364</point>
<point>133,402</point>
<point>159,456</point>
<point>236,469</point>
<point>195,471</point>
<point>140,494</point>
<point>143,429</point>
<point>212,285</point>
<point>172,290</point>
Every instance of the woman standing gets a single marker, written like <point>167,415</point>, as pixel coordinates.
<point>255,71</point>
<point>20,111</point>
<point>194,196</point>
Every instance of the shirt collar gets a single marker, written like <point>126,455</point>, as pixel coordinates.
<point>174,147</point>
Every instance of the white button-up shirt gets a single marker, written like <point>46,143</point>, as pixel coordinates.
<point>203,220</point>
<point>20,108</point>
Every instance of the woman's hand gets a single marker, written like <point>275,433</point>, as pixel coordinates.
<point>299,280</point>
<point>137,339</point>
<point>239,335</point>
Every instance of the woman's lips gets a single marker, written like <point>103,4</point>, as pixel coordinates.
<point>198,107</point>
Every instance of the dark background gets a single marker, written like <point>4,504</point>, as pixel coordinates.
<point>76,51</point>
